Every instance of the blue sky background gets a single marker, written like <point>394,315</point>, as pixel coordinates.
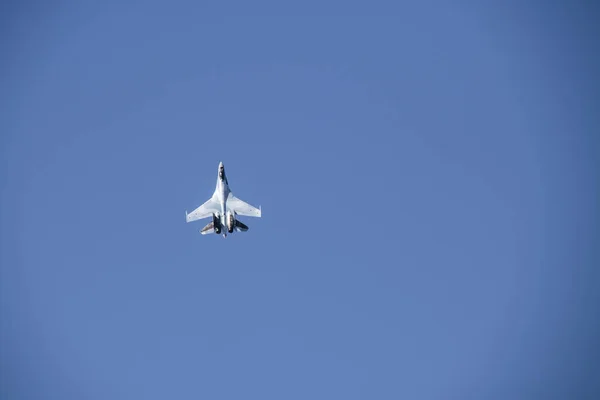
<point>427,173</point>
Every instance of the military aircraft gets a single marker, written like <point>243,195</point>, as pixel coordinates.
<point>224,209</point>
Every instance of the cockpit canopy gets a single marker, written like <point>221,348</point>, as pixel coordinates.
<point>222,176</point>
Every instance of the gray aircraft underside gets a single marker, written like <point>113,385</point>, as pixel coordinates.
<point>224,208</point>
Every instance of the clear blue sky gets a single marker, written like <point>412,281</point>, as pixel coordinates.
<point>427,173</point>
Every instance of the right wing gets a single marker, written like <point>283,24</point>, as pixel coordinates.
<point>242,208</point>
<point>205,210</point>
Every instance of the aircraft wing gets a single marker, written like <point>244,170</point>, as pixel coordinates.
<point>241,207</point>
<point>205,210</point>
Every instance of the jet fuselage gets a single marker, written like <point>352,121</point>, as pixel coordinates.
<point>224,208</point>
<point>222,194</point>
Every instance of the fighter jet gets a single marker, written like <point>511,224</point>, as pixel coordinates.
<point>224,209</point>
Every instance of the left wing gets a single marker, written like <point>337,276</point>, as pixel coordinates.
<point>242,208</point>
<point>205,210</point>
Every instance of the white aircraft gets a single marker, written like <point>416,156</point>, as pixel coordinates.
<point>224,208</point>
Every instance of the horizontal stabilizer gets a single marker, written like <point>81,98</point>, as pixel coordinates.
<point>240,226</point>
<point>209,228</point>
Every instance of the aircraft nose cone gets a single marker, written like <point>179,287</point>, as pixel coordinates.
<point>221,164</point>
